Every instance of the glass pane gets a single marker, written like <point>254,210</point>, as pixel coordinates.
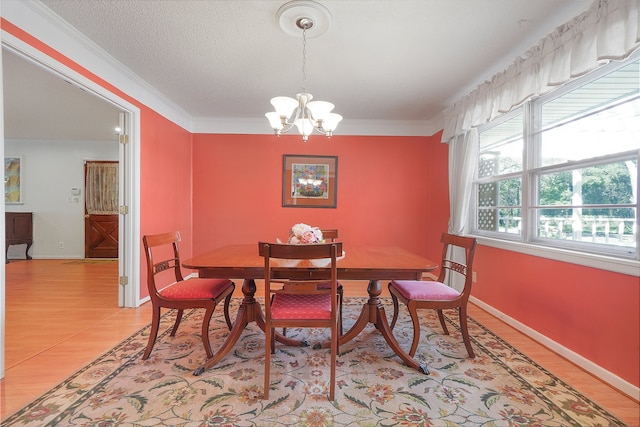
<point>600,118</point>
<point>501,148</point>
<point>618,85</point>
<point>499,206</point>
<point>609,227</point>
<point>501,220</point>
<point>607,184</point>
<point>506,192</point>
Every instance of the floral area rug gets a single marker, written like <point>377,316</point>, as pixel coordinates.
<point>499,387</point>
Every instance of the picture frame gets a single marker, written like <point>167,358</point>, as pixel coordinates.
<point>309,181</point>
<point>13,190</point>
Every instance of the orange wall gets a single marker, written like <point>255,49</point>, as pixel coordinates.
<point>165,183</point>
<point>592,312</point>
<point>387,193</point>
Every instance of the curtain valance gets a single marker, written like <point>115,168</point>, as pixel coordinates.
<point>608,30</point>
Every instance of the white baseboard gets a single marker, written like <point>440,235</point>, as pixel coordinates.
<point>610,378</point>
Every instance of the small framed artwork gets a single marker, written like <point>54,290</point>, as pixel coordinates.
<point>13,180</point>
<point>309,181</point>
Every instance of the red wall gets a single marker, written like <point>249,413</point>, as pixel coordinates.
<point>165,183</point>
<point>592,312</point>
<point>387,193</point>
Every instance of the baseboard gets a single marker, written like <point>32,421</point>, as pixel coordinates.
<point>610,378</point>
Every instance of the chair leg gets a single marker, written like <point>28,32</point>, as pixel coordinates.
<point>153,334</point>
<point>206,321</point>
<point>416,330</point>
<point>178,319</point>
<point>442,321</point>
<point>227,301</point>
<point>394,298</point>
<point>462,313</point>
<point>267,361</point>
<point>334,355</point>
<point>340,298</point>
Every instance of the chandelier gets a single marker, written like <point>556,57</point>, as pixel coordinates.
<point>303,113</point>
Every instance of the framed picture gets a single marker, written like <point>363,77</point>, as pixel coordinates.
<point>13,180</point>
<point>309,181</point>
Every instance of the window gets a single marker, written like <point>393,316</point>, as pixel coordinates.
<point>562,170</point>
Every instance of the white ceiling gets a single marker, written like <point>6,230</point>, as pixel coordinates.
<point>381,60</point>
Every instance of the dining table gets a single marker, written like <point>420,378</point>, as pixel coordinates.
<point>362,263</point>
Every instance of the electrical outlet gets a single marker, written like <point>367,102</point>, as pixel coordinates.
<point>474,277</point>
<point>61,245</point>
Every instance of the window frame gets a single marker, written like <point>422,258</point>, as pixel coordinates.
<point>527,241</point>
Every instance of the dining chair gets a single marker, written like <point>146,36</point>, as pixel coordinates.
<point>331,235</point>
<point>295,299</point>
<point>438,294</point>
<point>168,289</point>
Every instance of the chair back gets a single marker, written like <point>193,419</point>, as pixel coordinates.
<point>163,261</point>
<point>285,251</point>
<point>280,277</point>
<point>456,267</point>
<point>330,234</point>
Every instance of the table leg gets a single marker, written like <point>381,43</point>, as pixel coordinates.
<point>249,311</point>
<point>246,313</point>
<point>373,312</point>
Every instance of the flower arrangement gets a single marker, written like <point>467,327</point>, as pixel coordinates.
<point>302,234</point>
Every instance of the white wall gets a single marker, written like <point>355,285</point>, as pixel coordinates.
<point>50,169</point>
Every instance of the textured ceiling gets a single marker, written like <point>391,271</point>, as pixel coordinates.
<point>381,60</point>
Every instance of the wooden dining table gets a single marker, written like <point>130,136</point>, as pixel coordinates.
<point>371,263</point>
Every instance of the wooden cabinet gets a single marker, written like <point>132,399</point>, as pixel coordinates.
<point>19,231</point>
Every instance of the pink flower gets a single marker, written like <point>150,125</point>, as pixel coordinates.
<point>309,237</point>
<point>302,234</point>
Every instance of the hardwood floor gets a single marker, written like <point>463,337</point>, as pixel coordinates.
<point>61,315</point>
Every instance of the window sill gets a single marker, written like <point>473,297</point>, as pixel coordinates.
<point>617,265</point>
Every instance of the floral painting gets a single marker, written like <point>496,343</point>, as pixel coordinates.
<point>309,181</point>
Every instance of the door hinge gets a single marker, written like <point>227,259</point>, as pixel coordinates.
<point>124,210</point>
<point>123,280</point>
<point>123,139</point>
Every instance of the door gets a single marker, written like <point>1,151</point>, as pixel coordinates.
<point>101,209</point>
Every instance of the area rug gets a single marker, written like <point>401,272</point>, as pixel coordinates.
<point>499,387</point>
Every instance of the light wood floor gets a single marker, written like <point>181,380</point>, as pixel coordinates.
<point>61,315</point>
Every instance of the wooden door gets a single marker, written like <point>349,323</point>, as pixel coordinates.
<point>101,210</point>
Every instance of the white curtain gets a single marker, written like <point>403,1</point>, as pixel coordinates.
<point>608,30</point>
<point>463,152</point>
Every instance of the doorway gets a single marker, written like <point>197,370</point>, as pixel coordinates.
<point>129,161</point>
<point>45,96</point>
